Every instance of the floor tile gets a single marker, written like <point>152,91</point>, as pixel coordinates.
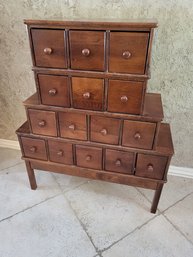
<point>49,229</point>
<point>174,190</point>
<point>15,191</point>
<point>108,211</point>
<point>67,182</point>
<point>181,215</point>
<point>9,157</point>
<point>157,238</point>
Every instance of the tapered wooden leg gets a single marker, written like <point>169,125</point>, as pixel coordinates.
<point>156,198</point>
<point>31,175</point>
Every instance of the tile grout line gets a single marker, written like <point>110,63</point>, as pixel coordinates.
<point>26,209</point>
<point>11,166</point>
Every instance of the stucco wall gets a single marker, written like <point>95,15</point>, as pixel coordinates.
<point>171,69</point>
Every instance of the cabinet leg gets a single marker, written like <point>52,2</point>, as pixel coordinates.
<point>31,175</point>
<point>156,198</point>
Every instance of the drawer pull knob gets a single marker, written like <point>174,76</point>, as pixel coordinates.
<point>118,163</point>
<point>60,153</point>
<point>104,132</point>
<point>126,55</point>
<point>47,50</point>
<point>88,158</point>
<point>86,52</point>
<point>137,136</point>
<point>42,123</point>
<point>72,127</point>
<point>124,98</point>
<point>86,95</point>
<point>52,92</point>
<point>150,167</point>
<point>33,149</point>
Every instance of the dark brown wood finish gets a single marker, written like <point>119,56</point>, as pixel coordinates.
<point>60,152</point>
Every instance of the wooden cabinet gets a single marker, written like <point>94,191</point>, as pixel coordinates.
<point>91,116</point>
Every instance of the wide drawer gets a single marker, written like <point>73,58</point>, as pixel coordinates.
<point>89,157</point>
<point>54,90</point>
<point>49,48</point>
<point>151,166</point>
<point>128,52</point>
<point>87,50</point>
<point>34,148</point>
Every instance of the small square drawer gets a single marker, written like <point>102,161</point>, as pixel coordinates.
<point>105,130</point>
<point>151,166</point>
<point>49,48</point>
<point>60,152</point>
<point>89,157</point>
<point>54,90</point>
<point>119,161</point>
<point>128,51</point>
<point>34,148</point>
<point>87,93</point>
<point>138,134</point>
<point>87,50</point>
<point>43,122</point>
<point>125,96</point>
<point>73,125</point>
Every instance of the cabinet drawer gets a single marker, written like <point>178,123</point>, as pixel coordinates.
<point>105,130</point>
<point>54,90</point>
<point>128,51</point>
<point>87,93</point>
<point>151,166</point>
<point>60,152</point>
<point>43,122</point>
<point>49,48</point>
<point>138,134</point>
<point>73,125</point>
<point>125,96</point>
<point>119,161</point>
<point>34,148</point>
<point>89,157</point>
<point>87,50</point>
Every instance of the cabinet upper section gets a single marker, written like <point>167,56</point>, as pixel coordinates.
<point>113,47</point>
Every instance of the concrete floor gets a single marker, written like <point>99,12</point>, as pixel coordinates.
<point>73,217</point>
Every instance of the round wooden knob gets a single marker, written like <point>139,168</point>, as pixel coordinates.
<point>52,92</point>
<point>126,55</point>
<point>88,158</point>
<point>33,149</point>
<point>137,136</point>
<point>60,153</point>
<point>47,50</point>
<point>86,52</point>
<point>42,123</point>
<point>104,132</point>
<point>86,95</point>
<point>72,127</point>
<point>150,167</point>
<point>118,163</point>
<point>124,98</point>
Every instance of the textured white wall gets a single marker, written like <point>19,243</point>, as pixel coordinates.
<point>172,58</point>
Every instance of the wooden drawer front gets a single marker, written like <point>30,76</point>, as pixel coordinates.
<point>138,134</point>
<point>54,90</point>
<point>151,166</point>
<point>119,161</point>
<point>88,93</point>
<point>73,125</point>
<point>87,50</point>
<point>34,148</point>
<point>128,51</point>
<point>89,157</point>
<point>60,152</point>
<point>49,48</point>
<point>105,130</point>
<point>125,96</point>
<point>43,122</point>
